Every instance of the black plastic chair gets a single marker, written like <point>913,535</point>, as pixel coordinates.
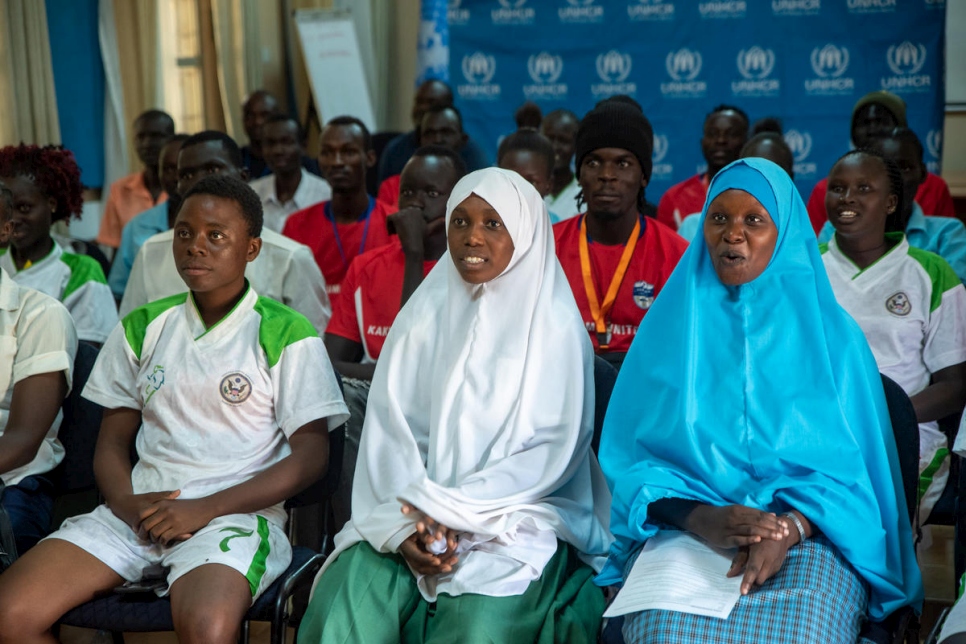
<point>145,612</point>
<point>605,377</point>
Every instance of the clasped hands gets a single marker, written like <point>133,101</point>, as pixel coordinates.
<point>762,539</point>
<point>160,517</point>
<point>416,548</point>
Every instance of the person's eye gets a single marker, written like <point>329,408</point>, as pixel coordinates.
<point>181,233</point>
<point>406,193</point>
<point>432,194</point>
<point>494,224</point>
<point>836,189</point>
<point>24,208</point>
<point>717,218</point>
<point>457,221</point>
<point>592,163</point>
<point>623,163</point>
<point>215,234</point>
<point>864,187</point>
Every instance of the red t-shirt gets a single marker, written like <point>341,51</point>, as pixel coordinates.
<point>370,297</point>
<point>933,197</point>
<point>334,251</point>
<point>389,191</point>
<point>657,253</point>
<point>682,199</point>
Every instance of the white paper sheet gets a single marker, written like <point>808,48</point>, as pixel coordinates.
<point>676,571</point>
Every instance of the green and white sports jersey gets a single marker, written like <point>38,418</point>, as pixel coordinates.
<point>76,280</point>
<point>217,405</point>
<point>912,308</point>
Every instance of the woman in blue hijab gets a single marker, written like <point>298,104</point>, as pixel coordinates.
<point>759,422</point>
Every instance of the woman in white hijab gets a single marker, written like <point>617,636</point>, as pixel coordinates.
<point>478,508</point>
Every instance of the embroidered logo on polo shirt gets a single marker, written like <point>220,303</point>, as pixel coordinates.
<point>643,294</point>
<point>235,388</point>
<point>155,380</point>
<point>899,304</point>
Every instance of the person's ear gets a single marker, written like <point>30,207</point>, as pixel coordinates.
<point>464,137</point>
<point>6,229</point>
<point>254,248</point>
<point>370,158</point>
<point>52,204</point>
<point>644,182</point>
<point>892,202</point>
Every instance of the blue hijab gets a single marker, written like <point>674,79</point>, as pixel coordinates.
<point>764,395</point>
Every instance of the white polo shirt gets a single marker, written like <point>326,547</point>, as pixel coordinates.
<point>284,270</point>
<point>311,190</point>
<point>76,280</point>
<point>217,405</point>
<point>36,336</point>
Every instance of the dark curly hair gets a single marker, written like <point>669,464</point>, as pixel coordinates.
<point>54,171</point>
<point>229,187</point>
<point>894,222</point>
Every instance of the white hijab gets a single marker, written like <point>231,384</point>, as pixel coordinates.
<point>481,413</point>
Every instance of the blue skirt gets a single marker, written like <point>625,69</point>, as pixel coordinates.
<point>815,597</point>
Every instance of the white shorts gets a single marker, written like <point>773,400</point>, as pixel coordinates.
<point>248,543</point>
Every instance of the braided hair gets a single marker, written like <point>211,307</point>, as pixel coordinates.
<point>52,169</point>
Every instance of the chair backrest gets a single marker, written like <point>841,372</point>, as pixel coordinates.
<point>905,427</point>
<point>79,429</point>
<point>605,375</point>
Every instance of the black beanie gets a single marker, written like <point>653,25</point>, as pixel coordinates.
<point>615,124</point>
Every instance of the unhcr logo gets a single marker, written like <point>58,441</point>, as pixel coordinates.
<point>871,6</point>
<point>755,66</point>
<point>650,10</point>
<point>723,9</point>
<point>581,11</point>
<point>934,143</point>
<point>830,64</point>
<point>800,144</point>
<point>513,12</point>
<point>613,68</point>
<point>796,7</point>
<point>545,70</point>
<point>455,14</point>
<point>683,66</point>
<point>478,70</point>
<point>906,61</point>
<point>659,169</point>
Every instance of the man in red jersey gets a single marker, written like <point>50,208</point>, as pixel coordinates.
<point>615,259</point>
<point>350,223</point>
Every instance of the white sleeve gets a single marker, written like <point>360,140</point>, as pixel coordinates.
<point>303,289</point>
<point>46,342</point>
<point>94,311</point>
<point>135,293</point>
<point>113,382</point>
<point>945,343</point>
<point>306,388</point>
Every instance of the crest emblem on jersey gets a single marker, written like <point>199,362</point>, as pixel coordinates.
<point>899,304</point>
<point>235,388</point>
<point>643,294</point>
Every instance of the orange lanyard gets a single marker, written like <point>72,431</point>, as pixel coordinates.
<point>598,312</point>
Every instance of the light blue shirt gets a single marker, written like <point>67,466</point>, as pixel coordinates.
<point>945,236</point>
<point>137,231</point>
<point>689,226</point>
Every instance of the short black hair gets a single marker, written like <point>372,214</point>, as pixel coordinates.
<point>561,113</point>
<point>229,187</point>
<point>6,203</point>
<point>728,108</point>
<point>623,99</point>
<point>529,141</point>
<point>894,221</point>
<point>778,140</point>
<point>904,134</point>
<point>438,109</point>
<point>285,118</point>
<point>529,115</point>
<point>179,138</point>
<point>342,121</point>
<point>767,124</point>
<point>156,114</point>
<point>459,166</point>
<point>228,143</point>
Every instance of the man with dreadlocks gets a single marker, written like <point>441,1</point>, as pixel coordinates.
<point>615,259</point>
<point>46,187</point>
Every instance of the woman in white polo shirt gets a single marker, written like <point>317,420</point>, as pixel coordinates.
<point>909,302</point>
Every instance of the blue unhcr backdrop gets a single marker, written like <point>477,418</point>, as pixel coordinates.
<point>804,61</point>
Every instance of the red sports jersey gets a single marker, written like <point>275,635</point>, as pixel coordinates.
<point>933,197</point>
<point>657,253</point>
<point>370,297</point>
<point>389,191</point>
<point>336,245</point>
<point>682,199</point>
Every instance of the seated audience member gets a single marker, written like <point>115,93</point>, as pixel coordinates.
<point>528,116</point>
<point>37,347</point>
<point>908,301</point>
<point>723,449</point>
<point>766,145</point>
<point>440,126</point>
<point>875,115</point>
<point>339,230</point>
<point>767,124</point>
<point>530,155</point>
<point>615,259</point>
<point>290,187</point>
<point>476,503</point>
<point>231,398</point>
<point>560,127</point>
<point>431,94</point>
<point>256,111</point>
<point>379,282</point>
<point>945,236</point>
<point>135,193</point>
<point>725,132</point>
<point>150,222</point>
<point>46,187</point>
<point>283,270</point>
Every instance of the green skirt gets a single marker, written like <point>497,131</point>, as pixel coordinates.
<point>372,598</point>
